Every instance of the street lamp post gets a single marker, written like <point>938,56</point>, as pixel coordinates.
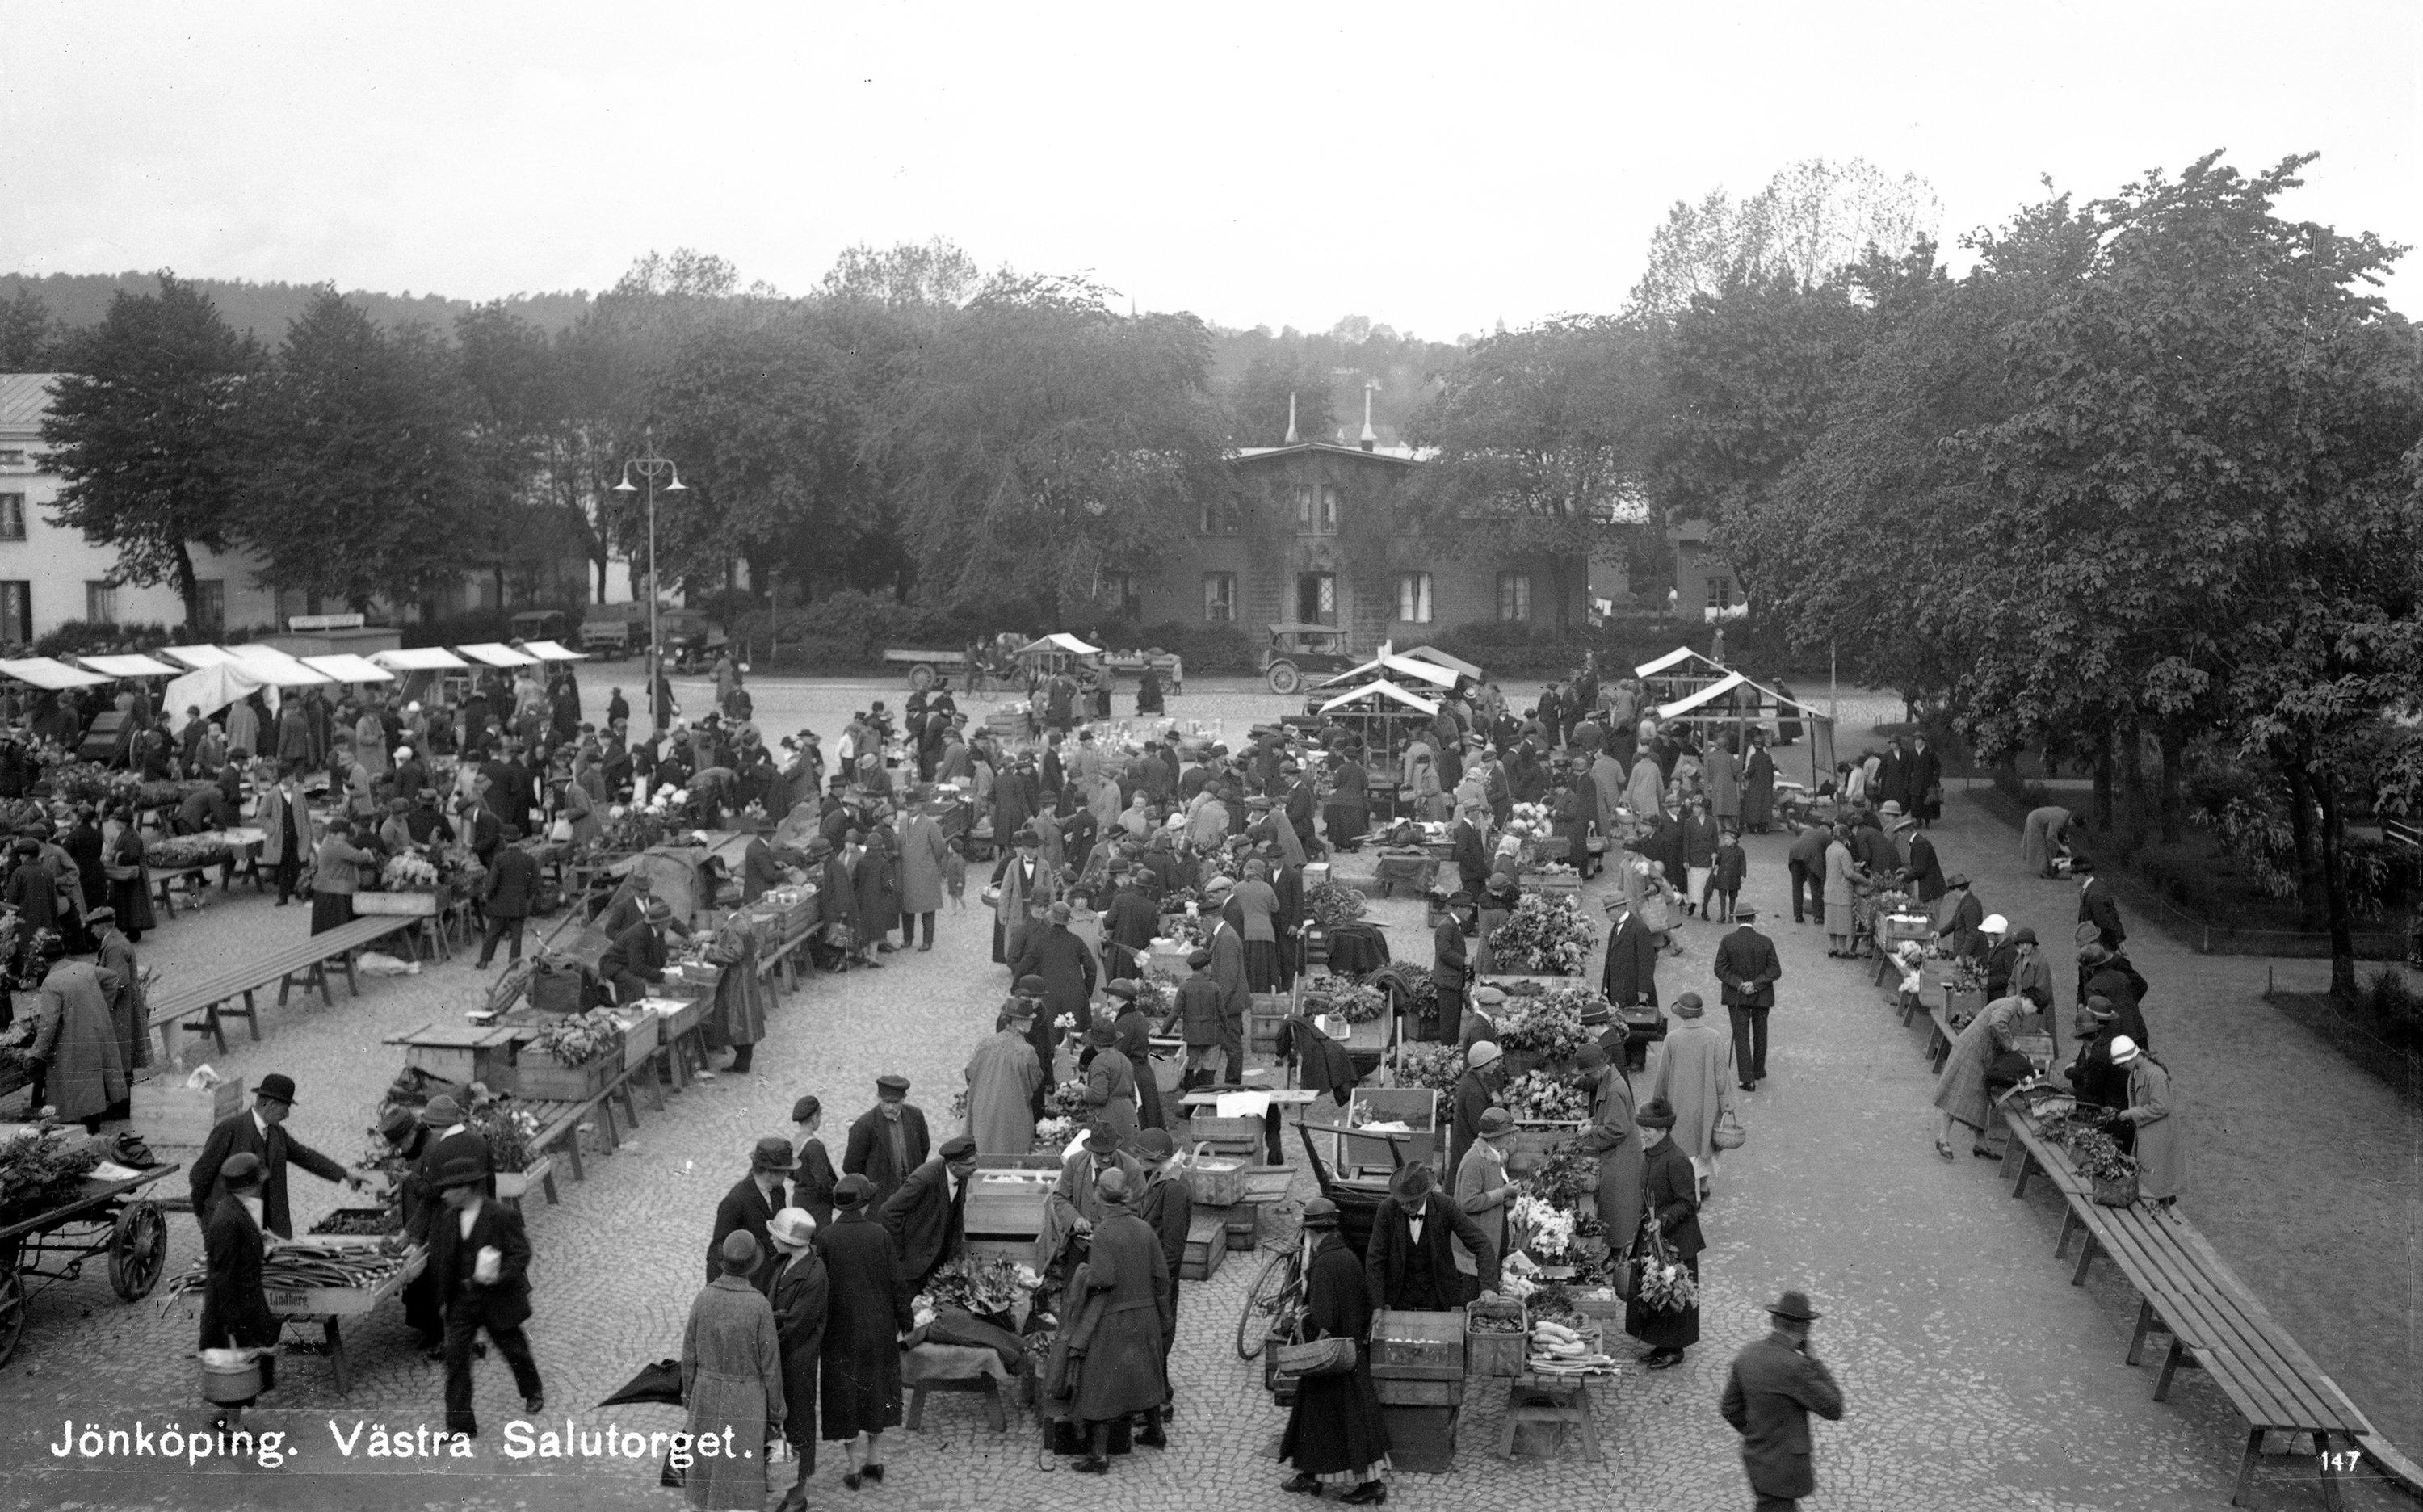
<point>652,467</point>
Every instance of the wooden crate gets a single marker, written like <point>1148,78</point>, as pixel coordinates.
<point>1001,1205</point>
<point>460,1053</point>
<point>1227,1137</point>
<point>400,905</point>
<point>1536,1141</point>
<point>1399,1391</point>
<point>540,1077</point>
<point>1409,1346</point>
<point>1216,1181</point>
<point>1244,1225</point>
<point>1262,1020</point>
<point>640,1030</point>
<point>1550,882</point>
<point>1207,1245</point>
<point>169,1112</point>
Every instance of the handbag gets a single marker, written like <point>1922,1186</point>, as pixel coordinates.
<point>1318,1357</point>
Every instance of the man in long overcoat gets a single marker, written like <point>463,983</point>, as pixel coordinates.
<point>922,850</point>
<point>261,1131</point>
<point>928,1217</point>
<point>888,1141</point>
<point>1773,1387</point>
<point>1065,963</point>
<point>732,1378</point>
<point>1748,968</point>
<point>866,1312</point>
<point>77,1045</point>
<point>1116,1311</point>
<point>1004,1078</point>
<point>1629,975</point>
<point>1236,995</point>
<point>750,1206</point>
<point>1613,1141</point>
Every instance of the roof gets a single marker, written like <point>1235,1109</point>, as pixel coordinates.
<point>1059,641</point>
<point>44,673</point>
<point>346,667</point>
<point>1731,680</point>
<point>551,651</point>
<point>130,666</point>
<point>418,659</point>
<point>1297,626</point>
<point>497,656</point>
<point>1429,672</point>
<point>1388,691</point>
<point>1402,455</point>
<point>25,399</point>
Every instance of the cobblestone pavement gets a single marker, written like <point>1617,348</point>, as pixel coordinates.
<point>1977,1377</point>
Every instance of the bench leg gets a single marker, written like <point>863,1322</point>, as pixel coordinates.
<point>546,1185</point>
<point>2172,1359</point>
<point>212,1026</point>
<point>287,981</point>
<point>647,1073</point>
<point>2086,1254</point>
<point>917,1407</point>
<point>2148,1321</point>
<point>572,1147</point>
<point>2246,1466</point>
<point>999,1421</point>
<point>169,1046</point>
<point>2331,1468</point>
<point>630,1102</point>
<point>604,1110</point>
<point>2069,1225</point>
<point>2027,1165</point>
<point>343,1371</point>
<point>251,1016</point>
<point>353,983</point>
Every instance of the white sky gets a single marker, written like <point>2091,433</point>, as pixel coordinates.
<point>1433,167</point>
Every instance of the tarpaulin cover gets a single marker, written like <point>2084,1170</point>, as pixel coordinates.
<point>198,656</point>
<point>553,651</point>
<point>1388,690</point>
<point>129,666</point>
<point>497,656</point>
<point>274,665</point>
<point>346,667</point>
<point>1059,641</point>
<point>212,688</point>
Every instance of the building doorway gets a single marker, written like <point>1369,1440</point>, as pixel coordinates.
<point>1316,597</point>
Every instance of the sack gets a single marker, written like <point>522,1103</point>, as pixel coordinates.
<point>559,985</point>
<point>559,832</point>
<point>2115,1191</point>
<point>1729,1133</point>
<point>1322,1357</point>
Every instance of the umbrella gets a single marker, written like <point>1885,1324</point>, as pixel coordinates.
<point>659,1382</point>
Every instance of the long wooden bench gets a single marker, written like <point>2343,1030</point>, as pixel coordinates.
<point>2186,1291</point>
<point>199,1006</point>
<point>559,1123</point>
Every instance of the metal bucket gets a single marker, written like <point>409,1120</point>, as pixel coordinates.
<point>233,1385</point>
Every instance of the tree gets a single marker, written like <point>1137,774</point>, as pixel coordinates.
<point>29,342</point>
<point>522,448</point>
<point>1276,385</point>
<point>1812,220</point>
<point>933,276</point>
<point>367,488</point>
<point>147,429</point>
<point>1541,440</point>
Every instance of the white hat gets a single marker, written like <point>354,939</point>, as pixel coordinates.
<point>1996,924</point>
<point>1483,1053</point>
<point>404,752</point>
<point>2124,1050</point>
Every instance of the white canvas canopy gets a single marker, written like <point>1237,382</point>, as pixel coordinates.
<point>127,666</point>
<point>212,688</point>
<point>275,667</point>
<point>1427,672</point>
<point>553,651</point>
<point>494,655</point>
<point>1453,663</point>
<point>1678,656</point>
<point>200,656</point>
<point>420,659</point>
<point>346,667</point>
<point>1754,710</point>
<point>1059,641</point>
<point>44,673</point>
<point>1384,689</point>
<point>1713,690</point>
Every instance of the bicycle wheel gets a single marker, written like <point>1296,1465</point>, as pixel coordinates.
<point>1278,1278</point>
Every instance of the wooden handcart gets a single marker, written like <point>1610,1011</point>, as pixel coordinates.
<point>104,1218</point>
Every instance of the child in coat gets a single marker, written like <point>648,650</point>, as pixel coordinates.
<point>955,873</point>
<point>1725,876</point>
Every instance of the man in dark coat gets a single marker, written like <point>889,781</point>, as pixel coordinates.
<point>1807,865</point>
<point>1925,872</point>
<point>1410,1263</point>
<point>510,898</point>
<point>1201,1007</point>
<point>1893,776</point>
<point>888,1141</point>
<point>865,1313</point>
<point>2109,975</point>
<point>637,956</point>
<point>481,1257</point>
<point>1629,975</point>
<point>1128,925</point>
<point>1167,1206</point>
<point>1336,1427</point>
<point>235,1310</point>
<point>1065,963</point>
<point>1959,935</point>
<point>1748,968</point>
<point>2098,906</point>
<point>750,1206</point>
<point>1114,1315</point>
<point>1772,1388</point>
<point>261,1131</point>
<point>1450,965</point>
<point>928,1217</point>
<point>1471,857</point>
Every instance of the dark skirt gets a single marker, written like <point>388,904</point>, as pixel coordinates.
<point>132,898</point>
<point>328,910</point>
<point>1665,1331</point>
<point>861,1392</point>
<point>1000,943</point>
<point>1336,1424</point>
<point>1262,966</point>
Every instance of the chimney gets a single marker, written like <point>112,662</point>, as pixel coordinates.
<point>1290,436</point>
<point>1370,437</point>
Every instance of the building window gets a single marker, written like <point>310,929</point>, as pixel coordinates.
<point>1328,510</point>
<point>1514,596</point>
<point>1413,598</point>
<point>11,458</point>
<point>1721,592</point>
<point>1316,597</point>
<point>1126,594</point>
<point>210,604</point>
<point>16,614</point>
<point>1220,597</point>
<point>1220,517</point>
<point>100,602</point>
<point>13,517</point>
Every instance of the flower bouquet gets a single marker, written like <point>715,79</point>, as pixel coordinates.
<point>507,1131</point>
<point>1563,1178</point>
<point>1332,905</point>
<point>1544,1097</point>
<point>406,872</point>
<point>1052,1135</point>
<point>1439,1067</point>
<point>1547,1232</point>
<point>1546,935</point>
<point>1067,1099</point>
<point>577,1039</point>
<point>976,1285</point>
<point>1664,1284</point>
<point>1549,1026</point>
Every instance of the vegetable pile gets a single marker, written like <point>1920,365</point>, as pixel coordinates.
<point>38,1171</point>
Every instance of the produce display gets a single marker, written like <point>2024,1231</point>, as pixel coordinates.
<point>1545,1096</point>
<point>362,1222</point>
<point>1547,1025</point>
<point>406,872</point>
<point>38,1171</point>
<point>977,1286</point>
<point>1546,935</point>
<point>301,1265</point>
<point>1559,1349</point>
<point>577,1039</point>
<point>1438,1067</point>
<point>1333,903</point>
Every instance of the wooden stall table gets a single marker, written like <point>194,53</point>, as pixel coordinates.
<point>330,1306</point>
<point>1560,1402</point>
<point>199,1006</point>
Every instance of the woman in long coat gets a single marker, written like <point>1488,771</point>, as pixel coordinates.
<point>799,1296</point>
<point>1570,815</point>
<point>1002,1076</point>
<point>732,1381</point>
<point>1114,1311</point>
<point>1696,1079</point>
<point>78,1048</point>
<point>130,881</point>
<point>580,808</point>
<point>122,977</point>
<point>1644,791</point>
<point>1613,1139</point>
<point>1758,788</point>
<point>2162,1153</point>
<point>1960,1091</point>
<point>1336,1434</point>
<point>742,993</point>
<point>1110,1080</point>
<point>1840,869</point>
<point>867,1313</point>
<point>1670,1200</point>
<point>876,886</point>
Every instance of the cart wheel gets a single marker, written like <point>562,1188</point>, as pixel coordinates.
<point>1285,679</point>
<point>921,676</point>
<point>138,1247</point>
<point>13,1308</point>
<point>1262,1298</point>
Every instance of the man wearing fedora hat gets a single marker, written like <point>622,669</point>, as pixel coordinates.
<point>1774,1385</point>
<point>1411,1261</point>
<point>751,1205</point>
<point>1076,1205</point>
<point>261,1131</point>
<point>1023,886</point>
<point>481,1257</point>
<point>1748,968</point>
<point>637,956</point>
<point>928,1217</point>
<point>889,1141</point>
<point>235,1309</point>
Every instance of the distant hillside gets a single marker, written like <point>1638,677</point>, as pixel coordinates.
<point>266,308</point>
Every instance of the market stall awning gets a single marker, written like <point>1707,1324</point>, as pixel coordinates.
<point>553,651</point>
<point>1453,663</point>
<point>1713,690</point>
<point>346,667</point>
<point>1059,641</point>
<point>212,688</point>
<point>276,667</point>
<point>1389,692</point>
<point>198,656</point>
<point>1678,656</point>
<point>129,666</point>
<point>1429,671</point>
<point>44,673</point>
<point>490,653</point>
<point>420,659</point>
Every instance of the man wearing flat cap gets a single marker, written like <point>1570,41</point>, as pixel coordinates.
<point>888,1141</point>
<point>261,1131</point>
<point>751,1205</point>
<point>1411,1262</point>
<point>928,1217</point>
<point>1065,963</point>
<point>1481,1018</point>
<point>481,1257</point>
<point>1774,1385</point>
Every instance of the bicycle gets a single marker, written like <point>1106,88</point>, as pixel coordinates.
<point>1275,1300</point>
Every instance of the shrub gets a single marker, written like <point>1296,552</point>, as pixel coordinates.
<point>97,637</point>
<point>2394,1007</point>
